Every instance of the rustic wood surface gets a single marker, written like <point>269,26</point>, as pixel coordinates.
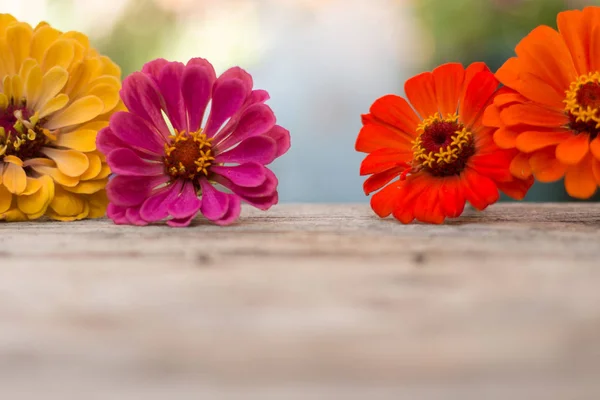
<point>305,302</point>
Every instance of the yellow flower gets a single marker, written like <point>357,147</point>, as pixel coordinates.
<point>56,92</point>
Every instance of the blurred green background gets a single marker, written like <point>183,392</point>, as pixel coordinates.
<point>323,61</point>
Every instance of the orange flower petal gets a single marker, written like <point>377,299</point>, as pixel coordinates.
<point>396,112</point>
<point>506,99</point>
<point>420,91</point>
<point>477,96</point>
<point>544,53</point>
<point>506,138</point>
<point>448,80</point>
<point>412,188</point>
<point>452,199</point>
<point>384,159</point>
<point>530,114</point>
<point>572,150</point>
<point>520,167</point>
<point>517,188</point>
<point>531,141</point>
<point>377,181</point>
<point>595,49</point>
<point>491,116</point>
<point>596,170</point>
<point>572,28</point>
<point>374,137</point>
<point>479,190</point>
<point>426,208</point>
<point>508,73</point>
<point>580,181</point>
<point>536,89</point>
<point>494,165</point>
<point>545,167</point>
<point>595,147</point>
<point>470,72</point>
<point>384,201</point>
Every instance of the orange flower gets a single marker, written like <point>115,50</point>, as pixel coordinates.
<point>443,158</point>
<point>551,113</point>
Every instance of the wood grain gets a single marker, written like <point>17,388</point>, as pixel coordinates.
<point>305,302</point>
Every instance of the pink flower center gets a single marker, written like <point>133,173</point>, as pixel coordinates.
<point>20,134</point>
<point>189,155</point>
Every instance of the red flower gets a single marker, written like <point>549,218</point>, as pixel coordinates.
<point>430,162</point>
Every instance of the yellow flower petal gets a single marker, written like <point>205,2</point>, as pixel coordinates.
<point>70,162</point>
<point>88,187</point>
<point>37,202</point>
<point>98,203</point>
<point>14,160</point>
<point>5,21</point>
<point>14,178</point>
<point>65,204</point>
<point>13,215</point>
<point>7,61</point>
<point>55,174</point>
<point>50,188</point>
<point>7,86</point>
<point>60,53</point>
<point>57,103</point>
<point>33,185</point>
<point>108,94</point>
<point>94,168</point>
<point>43,37</point>
<point>17,87</point>
<point>104,172</point>
<point>19,37</point>
<point>1,171</point>
<point>80,111</point>
<point>53,82</point>
<point>82,140</point>
<point>80,75</point>
<point>26,68</point>
<point>79,37</point>
<point>33,85</point>
<point>3,101</point>
<point>5,199</point>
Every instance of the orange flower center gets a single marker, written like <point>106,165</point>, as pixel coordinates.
<point>19,134</point>
<point>582,104</point>
<point>189,155</point>
<point>443,146</point>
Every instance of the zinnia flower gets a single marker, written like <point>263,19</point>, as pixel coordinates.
<point>551,113</point>
<point>440,156</point>
<point>171,173</point>
<point>56,93</point>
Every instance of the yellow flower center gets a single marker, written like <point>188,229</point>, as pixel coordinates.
<point>189,155</point>
<point>443,146</point>
<point>582,104</point>
<point>20,134</point>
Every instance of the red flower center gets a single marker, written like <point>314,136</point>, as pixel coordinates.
<point>583,105</point>
<point>189,155</point>
<point>443,147</point>
<point>19,134</point>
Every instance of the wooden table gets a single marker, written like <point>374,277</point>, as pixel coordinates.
<point>305,302</point>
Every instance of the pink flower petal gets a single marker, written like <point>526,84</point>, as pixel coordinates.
<point>196,87</point>
<point>233,211</point>
<point>141,97</point>
<point>256,119</point>
<point>266,189</point>
<point>153,68</point>
<point>133,215</point>
<point>187,204</point>
<point>214,203</point>
<point>126,162</point>
<point>134,131</point>
<point>156,206</point>
<point>107,141</point>
<point>228,96</point>
<point>246,175</point>
<point>169,83</point>
<point>181,223</point>
<point>117,214</point>
<point>255,97</point>
<point>281,137</point>
<point>259,149</point>
<point>264,202</point>
<point>241,74</point>
<point>129,191</point>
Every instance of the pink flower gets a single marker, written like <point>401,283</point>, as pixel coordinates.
<point>175,173</point>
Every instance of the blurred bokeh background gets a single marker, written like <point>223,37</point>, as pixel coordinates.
<point>323,61</point>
